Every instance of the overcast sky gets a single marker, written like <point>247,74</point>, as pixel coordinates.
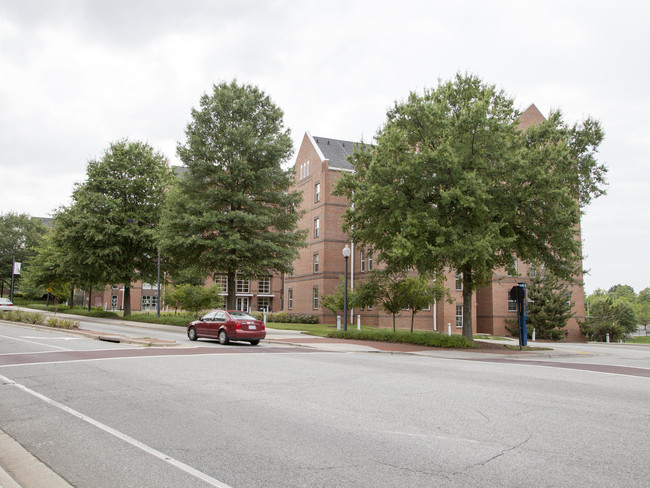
<point>76,75</point>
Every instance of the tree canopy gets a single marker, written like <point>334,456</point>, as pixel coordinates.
<point>108,233</point>
<point>20,236</point>
<point>550,305</point>
<point>232,211</point>
<point>453,183</point>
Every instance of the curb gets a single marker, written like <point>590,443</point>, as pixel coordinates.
<point>19,468</point>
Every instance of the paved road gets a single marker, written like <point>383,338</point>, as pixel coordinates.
<point>103,414</point>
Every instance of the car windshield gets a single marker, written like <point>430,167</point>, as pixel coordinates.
<point>241,315</point>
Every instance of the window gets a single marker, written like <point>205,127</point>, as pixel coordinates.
<point>264,286</point>
<point>459,281</point>
<point>317,193</point>
<point>315,298</point>
<point>316,263</point>
<point>263,304</point>
<point>146,303</point>
<point>243,286</point>
<point>459,315</point>
<point>243,304</point>
<point>222,281</point>
<point>427,308</point>
<point>515,266</point>
<point>512,305</point>
<point>369,261</point>
<point>362,255</point>
<point>316,227</point>
<point>534,271</point>
<point>290,298</point>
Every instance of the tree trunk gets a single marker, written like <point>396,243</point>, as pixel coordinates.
<point>71,297</point>
<point>127,300</point>
<point>231,298</point>
<point>393,322</point>
<point>412,320</point>
<point>468,292</point>
<point>90,294</point>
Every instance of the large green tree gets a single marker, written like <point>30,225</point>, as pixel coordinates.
<point>452,183</point>
<point>550,304</point>
<point>52,269</point>
<point>642,307</point>
<point>108,233</point>
<point>20,235</point>
<point>607,316</point>
<point>232,211</point>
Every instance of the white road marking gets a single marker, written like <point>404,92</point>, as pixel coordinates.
<point>32,342</point>
<point>53,338</point>
<point>130,440</point>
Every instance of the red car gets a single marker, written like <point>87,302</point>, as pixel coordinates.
<point>227,325</point>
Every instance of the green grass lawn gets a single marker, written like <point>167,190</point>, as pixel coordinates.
<point>639,340</point>
<point>490,337</point>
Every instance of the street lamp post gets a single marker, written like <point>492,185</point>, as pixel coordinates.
<point>346,255</point>
<point>158,297</point>
<point>13,272</point>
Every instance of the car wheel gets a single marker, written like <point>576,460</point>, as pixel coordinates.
<point>255,342</point>
<point>191,333</point>
<point>223,337</point>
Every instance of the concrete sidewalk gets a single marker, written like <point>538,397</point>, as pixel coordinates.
<point>18,468</point>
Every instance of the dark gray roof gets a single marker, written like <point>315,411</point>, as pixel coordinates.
<point>336,151</point>
<point>179,170</point>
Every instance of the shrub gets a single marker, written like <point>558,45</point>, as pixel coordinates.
<point>33,318</point>
<point>286,318</point>
<point>430,339</point>
<point>101,313</point>
<point>166,318</point>
<point>13,316</point>
<point>62,323</point>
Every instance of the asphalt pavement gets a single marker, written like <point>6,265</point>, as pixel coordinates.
<point>18,468</point>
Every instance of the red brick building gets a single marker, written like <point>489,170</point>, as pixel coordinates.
<point>318,271</point>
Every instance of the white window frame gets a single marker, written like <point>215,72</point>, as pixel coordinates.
<point>222,281</point>
<point>243,304</point>
<point>290,298</point>
<point>315,298</point>
<point>243,286</point>
<point>459,315</point>
<point>264,304</point>
<point>316,266</point>
<point>317,192</point>
<point>316,227</point>
<point>264,286</point>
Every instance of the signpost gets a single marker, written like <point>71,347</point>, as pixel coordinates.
<point>518,294</point>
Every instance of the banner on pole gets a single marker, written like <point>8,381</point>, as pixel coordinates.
<point>17,268</point>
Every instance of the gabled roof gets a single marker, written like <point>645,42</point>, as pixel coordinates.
<point>530,116</point>
<point>336,151</point>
